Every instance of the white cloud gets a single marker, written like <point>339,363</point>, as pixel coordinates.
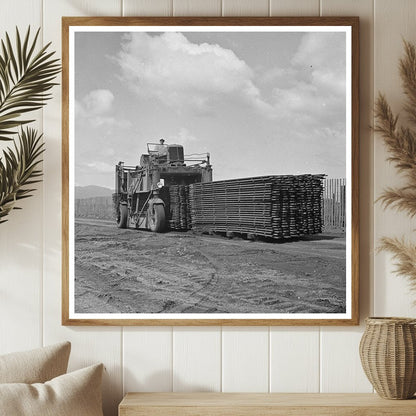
<point>182,137</point>
<point>107,121</point>
<point>315,96</point>
<point>321,50</point>
<point>199,77</point>
<point>279,77</point>
<point>95,107</point>
<point>321,59</point>
<point>183,74</point>
<point>98,102</point>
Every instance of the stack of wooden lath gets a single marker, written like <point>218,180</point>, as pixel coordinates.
<point>179,208</point>
<point>269,206</point>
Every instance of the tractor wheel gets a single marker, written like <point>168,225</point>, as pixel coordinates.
<point>122,215</point>
<point>157,218</point>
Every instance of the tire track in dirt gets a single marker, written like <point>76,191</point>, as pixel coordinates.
<point>133,271</point>
<point>207,289</point>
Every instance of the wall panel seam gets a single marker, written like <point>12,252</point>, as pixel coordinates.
<point>320,359</point>
<point>42,279</point>
<point>320,332</point>
<point>269,358</point>
<point>221,358</point>
<point>122,360</point>
<point>374,156</point>
<point>373,138</point>
<point>122,343</point>
<point>172,369</point>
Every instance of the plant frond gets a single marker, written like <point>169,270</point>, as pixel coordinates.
<point>400,142</point>
<point>26,78</point>
<point>407,66</point>
<point>404,254</point>
<point>18,170</point>
<point>401,199</point>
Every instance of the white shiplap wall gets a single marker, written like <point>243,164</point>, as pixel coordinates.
<point>302,359</point>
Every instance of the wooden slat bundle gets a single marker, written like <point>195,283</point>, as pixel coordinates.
<point>270,206</point>
<point>179,218</point>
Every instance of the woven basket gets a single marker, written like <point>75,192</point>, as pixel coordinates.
<point>388,356</point>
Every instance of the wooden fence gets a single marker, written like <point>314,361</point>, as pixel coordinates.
<point>333,202</point>
<point>99,207</point>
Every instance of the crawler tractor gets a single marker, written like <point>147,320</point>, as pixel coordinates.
<point>141,192</point>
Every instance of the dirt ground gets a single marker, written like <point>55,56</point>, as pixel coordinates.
<point>131,271</point>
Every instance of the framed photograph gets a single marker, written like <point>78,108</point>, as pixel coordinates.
<point>210,171</point>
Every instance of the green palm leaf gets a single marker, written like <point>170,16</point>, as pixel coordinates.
<point>19,170</point>
<point>26,78</point>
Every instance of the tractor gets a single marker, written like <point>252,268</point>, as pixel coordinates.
<point>141,192</point>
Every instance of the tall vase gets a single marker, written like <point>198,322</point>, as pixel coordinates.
<point>388,356</point>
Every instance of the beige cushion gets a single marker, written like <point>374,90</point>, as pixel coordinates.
<point>73,394</point>
<point>35,366</point>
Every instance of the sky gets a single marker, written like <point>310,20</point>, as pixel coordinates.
<point>261,103</point>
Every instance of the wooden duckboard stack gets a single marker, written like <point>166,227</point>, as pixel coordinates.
<point>284,206</point>
<point>179,208</point>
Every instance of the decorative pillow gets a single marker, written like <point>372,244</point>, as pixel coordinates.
<point>35,366</point>
<point>73,394</point>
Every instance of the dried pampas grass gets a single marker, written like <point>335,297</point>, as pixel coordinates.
<point>401,144</point>
<point>404,254</point>
<point>401,199</point>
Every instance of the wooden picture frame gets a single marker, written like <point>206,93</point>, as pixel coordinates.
<point>88,105</point>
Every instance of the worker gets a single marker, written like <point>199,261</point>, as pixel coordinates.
<point>162,148</point>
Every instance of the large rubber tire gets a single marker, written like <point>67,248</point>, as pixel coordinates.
<point>122,215</point>
<point>157,218</point>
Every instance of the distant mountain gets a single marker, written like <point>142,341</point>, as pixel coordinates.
<point>92,191</point>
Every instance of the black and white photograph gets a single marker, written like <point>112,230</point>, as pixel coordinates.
<point>210,172</point>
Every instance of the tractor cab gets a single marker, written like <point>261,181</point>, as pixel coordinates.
<point>142,192</point>
<point>164,154</point>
